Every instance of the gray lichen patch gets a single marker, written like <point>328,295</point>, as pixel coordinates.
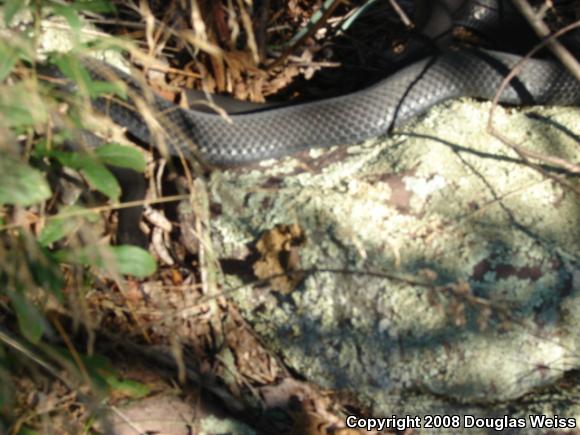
<point>392,229</point>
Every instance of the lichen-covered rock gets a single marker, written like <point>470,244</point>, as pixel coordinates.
<point>437,262</point>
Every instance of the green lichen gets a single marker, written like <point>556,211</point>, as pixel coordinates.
<point>441,195</point>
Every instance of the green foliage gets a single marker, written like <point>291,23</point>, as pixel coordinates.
<point>70,11</point>
<point>30,321</point>
<point>66,224</point>
<point>45,272</point>
<point>104,377</point>
<point>93,170</point>
<point>25,430</point>
<point>42,237</point>
<point>121,157</point>
<point>29,267</point>
<point>133,389</point>
<point>72,67</point>
<point>132,260</point>
<point>9,55</point>
<point>96,6</point>
<point>94,166</point>
<point>11,8</point>
<point>21,184</point>
<point>5,381</point>
<point>125,259</point>
<point>20,107</point>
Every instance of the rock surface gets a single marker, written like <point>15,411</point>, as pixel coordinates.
<point>447,271</point>
<point>440,268</point>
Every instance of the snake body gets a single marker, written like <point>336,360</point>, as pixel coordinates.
<point>273,132</point>
<point>371,112</point>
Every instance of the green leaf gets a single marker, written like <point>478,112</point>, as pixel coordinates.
<point>101,179</point>
<point>71,16</point>
<point>46,273</point>
<point>121,156</point>
<point>72,67</point>
<point>96,173</point>
<point>97,6</point>
<point>95,365</point>
<point>113,45</point>
<point>20,184</point>
<point>132,260</point>
<point>20,106</point>
<point>30,320</point>
<point>11,8</point>
<point>73,160</point>
<point>133,389</point>
<point>86,256</point>
<point>61,225</point>
<point>55,229</point>
<point>8,58</point>
<point>98,87</point>
<point>128,260</point>
<point>26,430</point>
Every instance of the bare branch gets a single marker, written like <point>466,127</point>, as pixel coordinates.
<point>523,152</point>
<point>543,31</point>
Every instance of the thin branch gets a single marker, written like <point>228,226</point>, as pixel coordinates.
<point>102,209</point>
<point>524,153</point>
<point>543,31</point>
<point>401,13</point>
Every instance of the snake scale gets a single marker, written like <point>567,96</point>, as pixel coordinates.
<point>371,112</point>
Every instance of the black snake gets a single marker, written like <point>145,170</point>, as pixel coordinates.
<point>279,131</point>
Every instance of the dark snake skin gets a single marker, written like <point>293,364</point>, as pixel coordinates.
<point>273,132</point>
<point>371,112</point>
